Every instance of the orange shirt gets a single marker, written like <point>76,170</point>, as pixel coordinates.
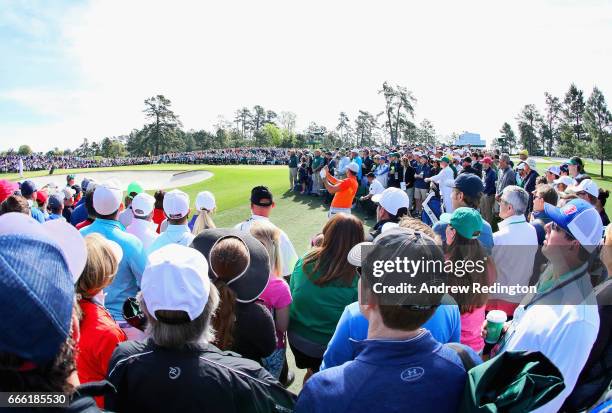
<point>347,190</point>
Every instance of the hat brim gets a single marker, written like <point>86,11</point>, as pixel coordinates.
<point>354,256</point>
<point>445,218</point>
<point>556,215</point>
<point>376,198</point>
<point>67,238</point>
<point>252,282</point>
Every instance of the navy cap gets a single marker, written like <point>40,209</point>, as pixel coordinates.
<point>469,184</point>
<point>36,297</point>
<point>56,200</point>
<point>28,188</point>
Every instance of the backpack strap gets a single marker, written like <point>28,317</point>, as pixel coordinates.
<point>466,360</point>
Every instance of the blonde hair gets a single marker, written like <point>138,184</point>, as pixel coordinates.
<point>100,268</point>
<point>203,221</point>
<point>269,235</point>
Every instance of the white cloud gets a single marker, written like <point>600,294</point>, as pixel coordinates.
<point>472,65</point>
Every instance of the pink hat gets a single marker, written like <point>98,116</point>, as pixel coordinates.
<point>487,159</point>
<point>7,188</point>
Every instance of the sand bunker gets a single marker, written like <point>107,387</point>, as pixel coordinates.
<point>148,179</point>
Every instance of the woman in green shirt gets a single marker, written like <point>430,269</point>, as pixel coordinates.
<point>322,284</point>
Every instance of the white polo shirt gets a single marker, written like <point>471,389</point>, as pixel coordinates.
<point>145,231</point>
<point>288,255</point>
<point>376,187</point>
<point>514,249</point>
<point>564,333</point>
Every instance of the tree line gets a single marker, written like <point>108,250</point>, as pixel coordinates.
<point>564,127</point>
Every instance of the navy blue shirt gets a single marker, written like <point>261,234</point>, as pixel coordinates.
<point>426,171</point>
<point>418,375</point>
<point>489,181</point>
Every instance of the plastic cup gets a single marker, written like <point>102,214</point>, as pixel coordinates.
<point>495,324</point>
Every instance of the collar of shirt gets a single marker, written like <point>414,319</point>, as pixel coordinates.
<point>108,222</point>
<point>177,228</point>
<point>548,281</point>
<point>142,225</point>
<point>514,219</point>
<point>388,352</point>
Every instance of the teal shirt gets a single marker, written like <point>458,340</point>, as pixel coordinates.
<point>317,161</point>
<point>127,280</point>
<point>315,310</point>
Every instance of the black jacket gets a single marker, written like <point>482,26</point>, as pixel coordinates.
<point>198,378</point>
<point>395,174</point>
<point>470,170</point>
<point>408,176</point>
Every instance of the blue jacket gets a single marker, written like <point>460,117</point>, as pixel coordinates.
<point>444,325</point>
<point>426,171</point>
<point>489,182</point>
<point>79,214</point>
<point>37,214</point>
<point>127,280</point>
<point>417,375</point>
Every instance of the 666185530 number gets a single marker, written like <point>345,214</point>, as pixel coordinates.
<point>33,399</point>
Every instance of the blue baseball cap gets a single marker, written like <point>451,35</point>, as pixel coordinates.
<point>580,219</point>
<point>28,188</point>
<point>56,200</point>
<point>469,184</point>
<point>36,297</point>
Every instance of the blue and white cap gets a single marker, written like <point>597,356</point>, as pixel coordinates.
<point>580,219</point>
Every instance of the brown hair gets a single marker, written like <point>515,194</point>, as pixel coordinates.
<point>417,225</point>
<point>15,203</point>
<point>466,250</point>
<point>341,233</point>
<point>547,193</point>
<point>100,268</point>
<point>228,258</point>
<point>159,199</point>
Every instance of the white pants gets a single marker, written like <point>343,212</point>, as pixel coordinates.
<point>333,211</point>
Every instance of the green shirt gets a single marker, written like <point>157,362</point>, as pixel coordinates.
<point>315,309</point>
<point>317,161</point>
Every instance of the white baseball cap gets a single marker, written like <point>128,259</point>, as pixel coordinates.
<point>353,166</point>
<point>565,180</point>
<point>67,238</point>
<point>107,197</point>
<point>354,150</point>
<point>531,163</point>
<point>205,200</point>
<point>176,204</point>
<point>68,192</point>
<point>392,199</point>
<point>143,204</point>
<point>587,186</point>
<point>176,279</point>
<point>555,170</point>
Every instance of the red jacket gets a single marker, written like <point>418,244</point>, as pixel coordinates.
<point>100,334</point>
<point>158,218</point>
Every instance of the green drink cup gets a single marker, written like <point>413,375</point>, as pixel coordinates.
<point>495,324</point>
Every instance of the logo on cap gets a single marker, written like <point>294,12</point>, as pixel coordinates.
<point>569,209</point>
<point>174,373</point>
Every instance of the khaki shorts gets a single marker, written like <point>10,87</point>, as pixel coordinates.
<point>420,193</point>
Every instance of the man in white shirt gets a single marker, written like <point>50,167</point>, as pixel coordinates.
<point>176,208</point>
<point>514,247</point>
<point>445,180</point>
<point>561,320</point>
<point>142,226</point>
<point>262,203</point>
<point>375,187</point>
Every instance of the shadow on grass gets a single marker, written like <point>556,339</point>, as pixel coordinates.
<point>315,202</point>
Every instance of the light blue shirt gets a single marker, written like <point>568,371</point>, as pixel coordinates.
<point>358,161</point>
<point>381,170</point>
<point>444,325</point>
<point>344,161</point>
<point>127,280</point>
<point>37,214</point>
<point>174,234</point>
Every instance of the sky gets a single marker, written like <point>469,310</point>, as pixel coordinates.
<point>82,69</point>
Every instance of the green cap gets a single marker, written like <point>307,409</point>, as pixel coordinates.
<point>135,187</point>
<point>394,154</point>
<point>467,222</point>
<point>574,160</point>
<point>445,159</point>
<point>69,177</point>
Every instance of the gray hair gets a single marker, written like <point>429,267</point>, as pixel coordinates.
<point>505,157</point>
<point>176,335</point>
<point>517,197</point>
